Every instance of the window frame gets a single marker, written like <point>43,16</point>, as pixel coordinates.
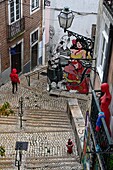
<point>14,11</point>
<point>101,60</point>
<point>36,8</point>
<point>35,42</point>
<point>31,34</point>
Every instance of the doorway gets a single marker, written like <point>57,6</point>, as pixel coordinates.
<point>34,55</point>
<point>16,57</point>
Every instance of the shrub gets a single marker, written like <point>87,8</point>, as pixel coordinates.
<point>5,109</point>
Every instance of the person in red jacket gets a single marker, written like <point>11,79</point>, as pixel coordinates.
<point>14,79</point>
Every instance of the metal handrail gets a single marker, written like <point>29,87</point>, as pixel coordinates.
<point>38,70</point>
<point>110,142</point>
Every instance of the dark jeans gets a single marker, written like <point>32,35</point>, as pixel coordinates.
<point>14,87</point>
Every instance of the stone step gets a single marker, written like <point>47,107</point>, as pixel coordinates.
<point>47,129</point>
<point>65,162</point>
<point>6,163</point>
<point>46,118</point>
<point>46,121</point>
<point>9,120</point>
<point>39,115</point>
<point>49,159</point>
<point>47,114</point>
<point>37,124</point>
<point>45,111</point>
<point>30,128</point>
<point>8,123</point>
<point>8,117</point>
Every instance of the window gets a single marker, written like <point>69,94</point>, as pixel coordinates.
<point>34,5</point>
<point>34,48</point>
<point>101,61</point>
<point>15,10</point>
<point>93,31</point>
<point>34,37</point>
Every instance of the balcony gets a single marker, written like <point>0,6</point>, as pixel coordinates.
<point>16,29</point>
<point>109,5</point>
<point>102,138</point>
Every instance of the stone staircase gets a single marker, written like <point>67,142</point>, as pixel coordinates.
<point>47,150</point>
<point>53,163</point>
<point>47,132</point>
<point>46,120</point>
<point>45,126</point>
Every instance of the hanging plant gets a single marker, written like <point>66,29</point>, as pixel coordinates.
<point>5,109</point>
<point>2,150</point>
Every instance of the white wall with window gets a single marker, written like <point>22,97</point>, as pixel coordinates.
<point>34,6</point>
<point>34,50</point>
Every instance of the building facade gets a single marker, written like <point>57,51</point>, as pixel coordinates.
<point>104,47</point>
<point>21,36</point>
<point>101,154</point>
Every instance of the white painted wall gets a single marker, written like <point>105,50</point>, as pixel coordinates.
<point>82,23</point>
<point>47,23</point>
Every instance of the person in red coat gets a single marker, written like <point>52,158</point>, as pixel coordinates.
<point>14,79</point>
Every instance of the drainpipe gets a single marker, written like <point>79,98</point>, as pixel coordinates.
<point>43,32</point>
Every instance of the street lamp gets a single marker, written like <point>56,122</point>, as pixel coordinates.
<point>65,18</point>
<point>20,146</point>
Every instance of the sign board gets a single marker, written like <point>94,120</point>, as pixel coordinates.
<point>21,145</point>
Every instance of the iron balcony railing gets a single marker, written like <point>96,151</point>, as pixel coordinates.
<point>109,5</point>
<point>16,28</point>
<point>102,138</point>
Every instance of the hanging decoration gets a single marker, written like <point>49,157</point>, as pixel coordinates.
<point>99,122</point>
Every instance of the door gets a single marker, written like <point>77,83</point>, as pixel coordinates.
<point>34,55</point>
<point>16,57</point>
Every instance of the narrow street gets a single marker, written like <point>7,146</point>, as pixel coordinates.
<point>45,126</point>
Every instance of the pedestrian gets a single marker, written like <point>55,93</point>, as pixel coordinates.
<point>14,79</point>
<point>69,146</point>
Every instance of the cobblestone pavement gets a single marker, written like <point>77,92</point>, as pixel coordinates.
<point>47,141</point>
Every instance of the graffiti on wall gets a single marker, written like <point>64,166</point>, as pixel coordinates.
<point>70,65</point>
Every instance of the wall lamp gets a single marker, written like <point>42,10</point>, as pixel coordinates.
<point>65,18</point>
